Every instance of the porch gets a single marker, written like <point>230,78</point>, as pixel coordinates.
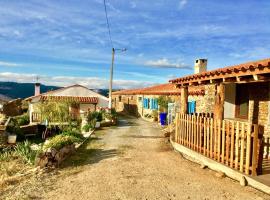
<point>233,143</point>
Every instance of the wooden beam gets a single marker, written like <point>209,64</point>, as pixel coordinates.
<point>219,102</point>
<point>184,100</point>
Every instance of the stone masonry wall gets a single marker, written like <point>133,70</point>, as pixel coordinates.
<point>204,104</point>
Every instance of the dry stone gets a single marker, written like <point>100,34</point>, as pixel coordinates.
<point>243,181</point>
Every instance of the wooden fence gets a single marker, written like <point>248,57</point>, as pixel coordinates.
<point>233,143</point>
<point>37,117</point>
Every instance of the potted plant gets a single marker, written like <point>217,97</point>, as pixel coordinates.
<point>163,109</point>
<point>98,119</point>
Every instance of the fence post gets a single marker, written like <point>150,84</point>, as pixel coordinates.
<point>255,151</point>
<point>223,142</point>
<point>248,149</point>
<point>237,145</point>
<point>232,144</point>
<point>242,147</point>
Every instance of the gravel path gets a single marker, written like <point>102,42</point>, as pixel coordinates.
<point>134,161</point>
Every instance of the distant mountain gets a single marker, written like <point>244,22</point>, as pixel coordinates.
<point>21,90</point>
<point>13,90</point>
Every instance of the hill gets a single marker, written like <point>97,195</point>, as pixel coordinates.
<point>21,90</point>
<point>15,90</point>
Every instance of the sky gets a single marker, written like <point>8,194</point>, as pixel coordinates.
<point>66,42</point>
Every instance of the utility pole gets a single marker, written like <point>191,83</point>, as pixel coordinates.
<point>111,76</point>
<point>111,80</point>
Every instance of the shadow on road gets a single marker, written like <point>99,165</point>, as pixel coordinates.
<point>89,153</point>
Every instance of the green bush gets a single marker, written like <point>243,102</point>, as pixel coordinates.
<point>94,116</point>
<point>23,119</point>
<point>74,133</point>
<point>24,151</point>
<point>59,141</point>
<point>87,127</point>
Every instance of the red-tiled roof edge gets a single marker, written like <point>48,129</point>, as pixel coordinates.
<point>72,98</point>
<point>246,66</point>
<point>158,90</point>
<point>57,90</point>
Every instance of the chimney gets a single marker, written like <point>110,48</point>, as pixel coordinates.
<point>200,66</point>
<point>37,89</point>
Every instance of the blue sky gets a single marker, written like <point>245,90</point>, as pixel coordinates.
<point>66,42</point>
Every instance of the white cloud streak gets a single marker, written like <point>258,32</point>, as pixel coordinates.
<point>8,64</point>
<point>165,63</point>
<point>62,81</point>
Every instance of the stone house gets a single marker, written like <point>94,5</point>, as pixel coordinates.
<point>240,93</point>
<point>86,100</point>
<point>142,102</point>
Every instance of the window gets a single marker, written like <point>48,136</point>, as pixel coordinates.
<point>139,98</point>
<point>153,104</point>
<point>120,98</point>
<point>242,101</point>
<point>146,103</point>
<point>191,107</point>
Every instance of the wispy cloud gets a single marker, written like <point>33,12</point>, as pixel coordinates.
<point>9,64</point>
<point>182,3</point>
<point>165,63</point>
<point>90,82</point>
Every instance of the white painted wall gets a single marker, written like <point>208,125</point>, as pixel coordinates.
<point>229,103</point>
<point>77,91</point>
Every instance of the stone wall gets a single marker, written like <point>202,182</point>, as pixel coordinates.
<point>204,103</point>
<point>125,103</point>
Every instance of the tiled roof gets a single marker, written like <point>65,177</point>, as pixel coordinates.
<point>245,69</point>
<point>162,89</point>
<point>70,98</point>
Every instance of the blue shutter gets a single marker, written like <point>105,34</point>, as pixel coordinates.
<point>144,103</point>
<point>148,102</point>
<point>151,104</point>
<point>191,107</point>
<point>156,104</point>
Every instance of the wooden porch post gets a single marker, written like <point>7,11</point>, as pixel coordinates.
<point>184,99</point>
<point>219,102</point>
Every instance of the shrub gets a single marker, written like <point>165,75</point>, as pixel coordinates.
<point>14,128</point>
<point>23,119</point>
<point>87,127</point>
<point>163,103</point>
<point>59,141</point>
<point>155,115</point>
<point>24,151</point>
<point>94,116</point>
<point>6,154</point>
<point>73,133</point>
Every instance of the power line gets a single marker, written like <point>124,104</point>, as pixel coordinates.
<point>108,24</point>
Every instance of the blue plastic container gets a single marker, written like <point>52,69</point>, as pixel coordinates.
<point>163,118</point>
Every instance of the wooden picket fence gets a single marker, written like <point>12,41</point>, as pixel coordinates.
<point>233,143</point>
<point>37,117</point>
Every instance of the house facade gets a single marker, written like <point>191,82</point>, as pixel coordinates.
<point>86,100</point>
<point>237,94</point>
<point>144,102</point>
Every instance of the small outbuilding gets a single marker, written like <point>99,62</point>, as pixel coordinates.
<point>86,100</point>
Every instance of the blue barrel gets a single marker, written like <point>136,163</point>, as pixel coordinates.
<point>163,118</point>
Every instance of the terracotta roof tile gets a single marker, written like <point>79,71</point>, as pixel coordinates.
<point>70,98</point>
<point>254,67</point>
<point>162,89</point>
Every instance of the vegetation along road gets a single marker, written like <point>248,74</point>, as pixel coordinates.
<point>131,161</point>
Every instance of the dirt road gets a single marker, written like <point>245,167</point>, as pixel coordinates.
<point>132,161</point>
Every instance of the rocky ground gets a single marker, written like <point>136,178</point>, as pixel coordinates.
<point>131,161</point>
